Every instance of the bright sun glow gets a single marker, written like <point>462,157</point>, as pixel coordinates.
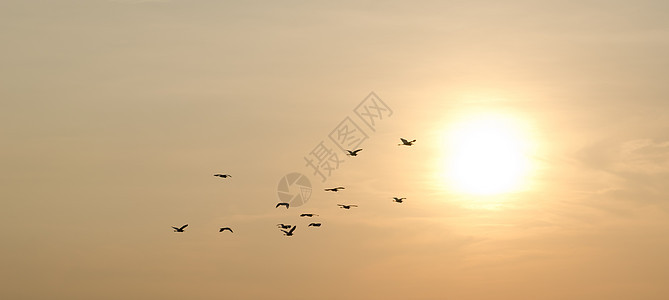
<point>486,155</point>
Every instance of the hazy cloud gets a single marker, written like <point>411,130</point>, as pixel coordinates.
<point>635,170</point>
<point>642,156</point>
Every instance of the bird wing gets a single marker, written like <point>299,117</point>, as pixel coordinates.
<point>292,229</point>
<point>340,188</point>
<point>358,150</point>
<point>182,227</point>
<point>175,228</point>
<point>404,141</point>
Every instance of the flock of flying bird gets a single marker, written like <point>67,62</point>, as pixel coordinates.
<point>288,229</point>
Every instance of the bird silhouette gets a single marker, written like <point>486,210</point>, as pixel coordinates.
<point>224,229</point>
<point>398,200</point>
<point>223,175</point>
<point>180,229</point>
<point>308,215</point>
<point>353,153</point>
<point>286,204</point>
<point>406,143</point>
<point>289,232</point>
<point>284,226</point>
<point>336,189</point>
<point>314,224</point>
<point>347,206</point>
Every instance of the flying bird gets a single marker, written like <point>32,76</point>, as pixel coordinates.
<point>180,229</point>
<point>314,224</point>
<point>406,143</point>
<point>286,204</point>
<point>347,206</point>
<point>289,232</point>
<point>336,189</point>
<point>398,200</point>
<point>284,226</point>
<point>224,229</point>
<point>353,153</point>
<point>308,215</point>
<point>223,175</point>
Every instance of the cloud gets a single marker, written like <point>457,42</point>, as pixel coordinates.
<point>642,156</point>
<point>633,170</point>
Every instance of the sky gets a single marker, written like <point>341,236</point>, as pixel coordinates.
<point>538,171</point>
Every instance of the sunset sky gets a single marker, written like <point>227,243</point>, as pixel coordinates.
<point>540,168</point>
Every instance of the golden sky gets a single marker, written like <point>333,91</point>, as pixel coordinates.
<point>539,171</point>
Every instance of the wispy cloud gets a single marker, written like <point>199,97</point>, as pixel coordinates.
<point>641,156</point>
<point>635,169</point>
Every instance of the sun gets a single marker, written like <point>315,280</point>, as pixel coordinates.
<point>486,154</point>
